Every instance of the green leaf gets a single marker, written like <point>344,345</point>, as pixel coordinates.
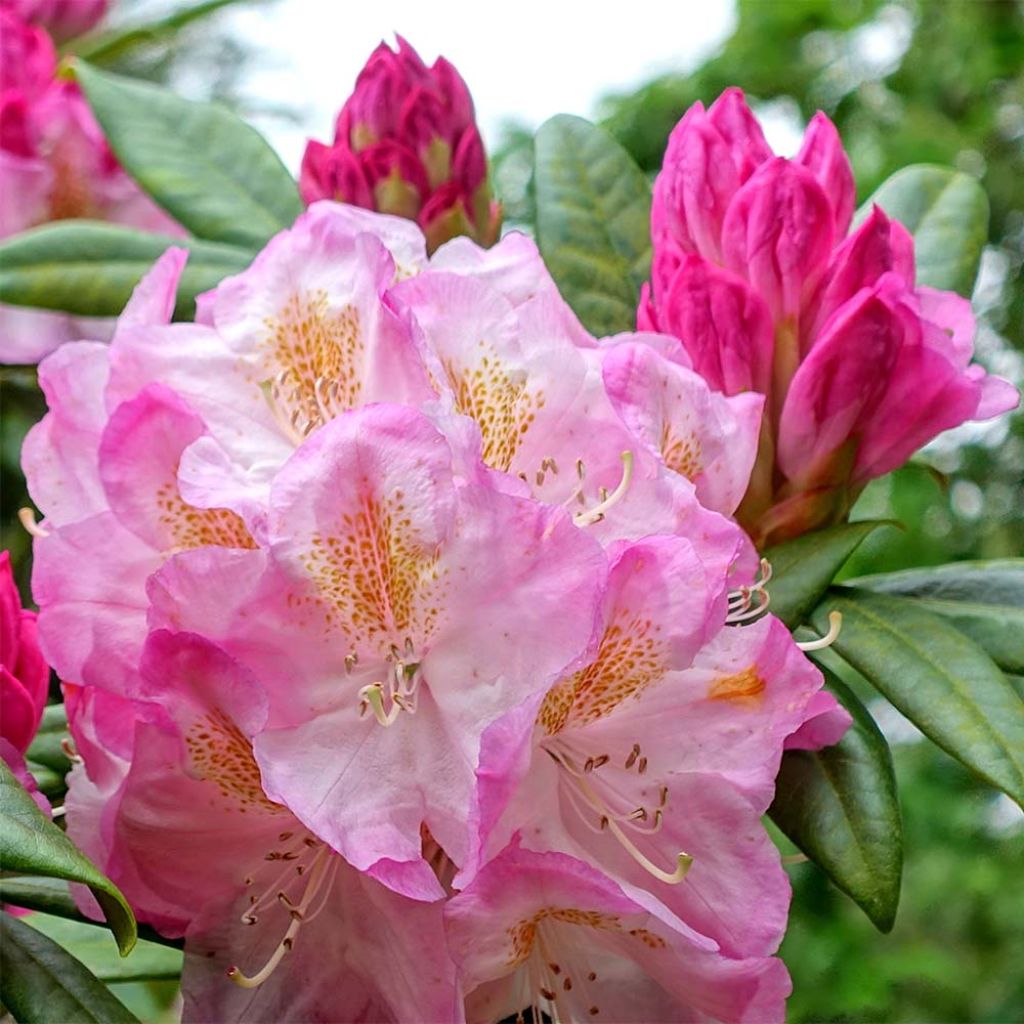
<point>147,961</point>
<point>41,983</point>
<point>46,748</point>
<point>839,806</point>
<point>216,175</point>
<point>90,268</point>
<point>803,568</point>
<point>111,46</point>
<point>947,213</point>
<point>984,600</point>
<point>52,896</point>
<point>593,221</point>
<point>945,684</point>
<point>30,844</point>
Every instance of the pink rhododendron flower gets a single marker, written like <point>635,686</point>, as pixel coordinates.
<point>54,164</point>
<point>755,271</point>
<point>63,19</point>
<point>406,143</point>
<point>548,932</point>
<point>322,564</point>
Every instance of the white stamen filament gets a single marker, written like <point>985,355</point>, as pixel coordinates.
<point>594,515</point>
<point>614,822</point>
<point>405,680</point>
<point>322,871</point>
<point>750,602</point>
<point>27,518</point>
<point>835,624</point>
<point>289,424</point>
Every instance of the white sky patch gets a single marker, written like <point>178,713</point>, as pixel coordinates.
<point>525,61</point>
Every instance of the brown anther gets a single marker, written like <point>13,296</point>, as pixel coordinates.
<point>548,994</point>
<point>284,836</point>
<point>273,855</point>
<point>288,943</point>
<point>641,765</point>
<point>604,821</point>
<point>567,984</point>
<point>291,855</point>
<point>602,493</point>
<point>555,968</point>
<point>588,765</point>
<point>540,478</point>
<point>594,1011</point>
<point>310,841</point>
<point>581,470</point>
<point>640,814</point>
<point>592,976</point>
<point>633,755</point>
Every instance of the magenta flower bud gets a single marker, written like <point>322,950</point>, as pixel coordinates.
<point>724,325</point>
<point>406,143</point>
<point>753,271</point>
<point>24,674</point>
<point>823,155</point>
<point>63,19</point>
<point>778,235</point>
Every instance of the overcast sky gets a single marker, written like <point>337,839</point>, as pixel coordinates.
<point>525,59</point>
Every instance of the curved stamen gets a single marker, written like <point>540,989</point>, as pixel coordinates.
<point>594,515</point>
<point>27,518</point>
<point>297,913</point>
<point>835,624</point>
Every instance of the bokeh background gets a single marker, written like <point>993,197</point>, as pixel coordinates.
<point>907,81</point>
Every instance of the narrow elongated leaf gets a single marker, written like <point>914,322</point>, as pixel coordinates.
<point>146,962</point>
<point>943,682</point>
<point>41,983</point>
<point>803,569</point>
<point>593,221</point>
<point>90,268</point>
<point>839,806</point>
<point>947,213</point>
<point>213,173</point>
<point>52,896</point>
<point>30,844</point>
<point>985,600</point>
<point>105,47</point>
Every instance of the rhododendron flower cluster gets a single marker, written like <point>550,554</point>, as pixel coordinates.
<point>406,143</point>
<point>757,270</point>
<point>416,669</point>
<point>54,164</point>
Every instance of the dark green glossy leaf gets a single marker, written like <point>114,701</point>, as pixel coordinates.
<point>52,896</point>
<point>942,681</point>
<point>40,983</point>
<point>947,213</point>
<point>839,806</point>
<point>30,844</point>
<point>803,569</point>
<point>213,173</point>
<point>985,600</point>
<point>90,268</point>
<point>146,962</point>
<point>593,221</point>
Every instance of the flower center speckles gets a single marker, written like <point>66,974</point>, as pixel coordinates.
<point>300,872</point>
<point>681,453</point>
<point>220,753</point>
<point>560,981</point>
<point>189,527</point>
<point>500,402</point>
<point>315,355</point>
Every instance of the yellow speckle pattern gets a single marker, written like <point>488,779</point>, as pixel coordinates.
<point>681,454</point>
<point>188,527</point>
<point>380,582</point>
<point>498,399</point>
<point>220,753</point>
<point>307,342</point>
<point>740,686</point>
<point>523,934</point>
<point>631,656</point>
